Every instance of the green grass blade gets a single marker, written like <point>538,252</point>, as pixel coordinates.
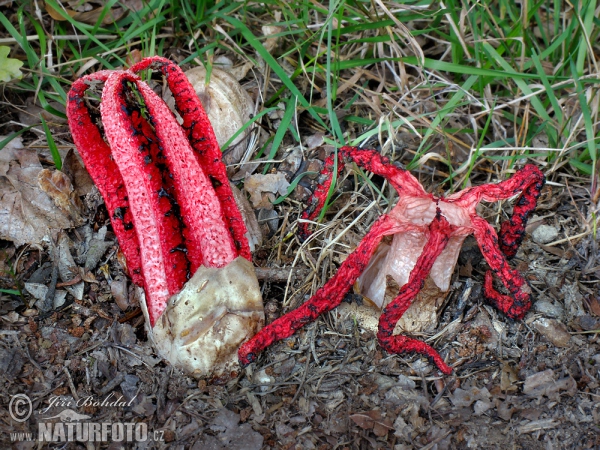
<point>51,145</point>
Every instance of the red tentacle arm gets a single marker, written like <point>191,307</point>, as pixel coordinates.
<point>325,299</point>
<point>96,153</point>
<point>439,235</point>
<point>319,197</point>
<point>170,227</point>
<point>512,231</point>
<point>202,139</point>
<point>142,191</point>
<point>164,210</point>
<point>518,303</point>
<point>527,181</point>
<point>401,179</point>
<point>201,210</point>
<point>371,160</point>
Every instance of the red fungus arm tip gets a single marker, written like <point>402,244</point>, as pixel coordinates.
<point>371,160</point>
<point>201,210</point>
<point>439,234</point>
<point>527,181</point>
<point>512,230</point>
<point>518,303</point>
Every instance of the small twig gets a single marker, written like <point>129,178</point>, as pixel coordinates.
<point>130,315</point>
<point>89,349</point>
<point>132,354</point>
<point>71,385</point>
<point>279,274</point>
<point>303,379</point>
<point>112,384</point>
<point>75,280</point>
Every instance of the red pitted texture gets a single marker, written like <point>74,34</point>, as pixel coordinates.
<point>325,299</point>
<point>165,212</point>
<point>96,155</point>
<point>202,138</point>
<point>206,233</point>
<point>527,181</point>
<point>518,303</point>
<point>143,146</point>
<point>372,161</point>
<point>439,234</point>
<point>141,189</point>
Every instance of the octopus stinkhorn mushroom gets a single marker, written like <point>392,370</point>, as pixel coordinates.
<point>173,212</point>
<point>428,232</point>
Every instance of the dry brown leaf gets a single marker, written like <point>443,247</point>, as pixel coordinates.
<point>27,214</point>
<point>593,304</point>
<point>133,57</point>
<point>253,233</point>
<point>87,276</point>
<point>508,378</point>
<point>67,268</point>
<point>271,42</point>
<point>79,176</point>
<point>271,183</point>
<point>545,383</point>
<point>92,17</point>
<point>372,420</point>
<point>118,289</point>
<point>133,5</point>
<point>553,330</point>
<point>57,15</point>
<point>59,188</point>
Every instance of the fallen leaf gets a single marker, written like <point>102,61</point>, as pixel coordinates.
<point>27,214</point>
<point>67,269</point>
<point>593,303</point>
<point>537,425</point>
<point>508,378</point>
<point>253,233</point>
<point>553,330</point>
<point>89,16</point>
<point>58,16</point>
<point>256,185</point>
<point>92,17</point>
<point>373,420</point>
<point>462,398</point>
<point>544,384</point>
<point>59,188</point>
<point>271,42</point>
<point>118,289</point>
<point>230,434</point>
<point>96,249</point>
<point>79,176</point>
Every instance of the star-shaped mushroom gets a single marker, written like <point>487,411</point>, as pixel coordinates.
<point>428,232</point>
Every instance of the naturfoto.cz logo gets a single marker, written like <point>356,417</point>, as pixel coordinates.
<point>70,426</point>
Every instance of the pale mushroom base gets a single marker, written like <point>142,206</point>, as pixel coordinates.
<point>204,324</point>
